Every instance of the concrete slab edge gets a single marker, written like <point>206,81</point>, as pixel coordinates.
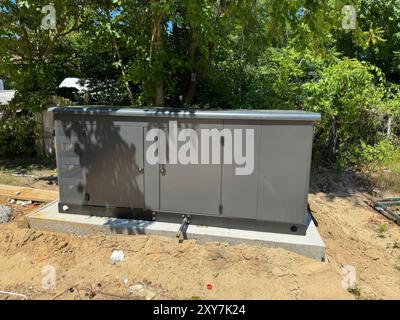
<point>45,219</point>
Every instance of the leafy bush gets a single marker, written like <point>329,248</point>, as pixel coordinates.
<point>378,153</point>
<point>353,101</point>
<point>272,82</point>
<point>353,98</point>
<point>17,136</point>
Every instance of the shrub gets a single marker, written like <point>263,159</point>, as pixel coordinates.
<point>353,101</point>
<point>353,98</point>
<point>17,135</point>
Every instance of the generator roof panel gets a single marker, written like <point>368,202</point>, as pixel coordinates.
<point>278,115</point>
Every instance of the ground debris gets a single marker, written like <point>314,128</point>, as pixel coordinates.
<point>5,214</point>
<point>117,256</point>
<point>181,271</point>
<point>15,294</point>
<point>30,236</point>
<point>143,291</point>
<point>373,253</point>
<point>280,271</point>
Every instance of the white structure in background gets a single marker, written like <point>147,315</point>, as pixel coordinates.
<point>74,83</point>
<point>5,95</point>
<point>78,84</point>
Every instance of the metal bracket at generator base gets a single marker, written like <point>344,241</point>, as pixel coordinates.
<point>181,235</point>
<point>381,206</point>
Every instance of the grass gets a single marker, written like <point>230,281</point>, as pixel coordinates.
<point>382,229</point>
<point>386,176</point>
<point>4,179</point>
<point>26,164</point>
<point>356,292</point>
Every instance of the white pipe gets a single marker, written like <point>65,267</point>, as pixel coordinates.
<point>14,294</point>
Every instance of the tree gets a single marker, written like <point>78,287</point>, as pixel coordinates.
<point>28,43</point>
<point>380,40</point>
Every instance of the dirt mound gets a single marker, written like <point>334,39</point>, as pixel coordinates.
<point>356,234</point>
<point>353,232</point>
<point>170,269</point>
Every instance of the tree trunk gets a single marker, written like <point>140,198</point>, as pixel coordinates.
<point>160,95</point>
<point>191,88</point>
<point>123,72</point>
<point>155,52</point>
<point>332,143</point>
<point>389,126</point>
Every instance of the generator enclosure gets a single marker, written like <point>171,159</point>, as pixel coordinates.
<point>104,168</point>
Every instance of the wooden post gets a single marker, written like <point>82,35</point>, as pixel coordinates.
<point>45,142</point>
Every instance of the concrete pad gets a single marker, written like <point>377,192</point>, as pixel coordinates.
<point>48,218</point>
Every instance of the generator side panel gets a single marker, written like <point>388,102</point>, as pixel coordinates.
<point>285,160</point>
<point>71,160</point>
<point>114,163</point>
<point>240,177</point>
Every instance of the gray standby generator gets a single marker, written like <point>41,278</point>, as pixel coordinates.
<point>251,170</point>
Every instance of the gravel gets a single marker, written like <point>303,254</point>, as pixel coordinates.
<point>5,214</point>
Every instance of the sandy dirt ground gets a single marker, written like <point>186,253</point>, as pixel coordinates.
<point>161,268</point>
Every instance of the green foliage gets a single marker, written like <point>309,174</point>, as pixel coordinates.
<point>274,81</point>
<point>380,20</point>
<point>351,131</point>
<point>352,99</point>
<point>29,101</point>
<point>17,136</point>
<point>266,54</point>
<point>356,292</point>
<point>29,54</point>
<point>378,153</point>
<point>383,228</point>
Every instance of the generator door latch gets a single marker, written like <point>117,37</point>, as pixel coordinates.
<point>162,170</point>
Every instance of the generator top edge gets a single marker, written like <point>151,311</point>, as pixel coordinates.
<point>278,115</point>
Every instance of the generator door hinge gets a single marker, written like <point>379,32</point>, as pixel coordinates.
<point>87,197</point>
<point>220,208</point>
